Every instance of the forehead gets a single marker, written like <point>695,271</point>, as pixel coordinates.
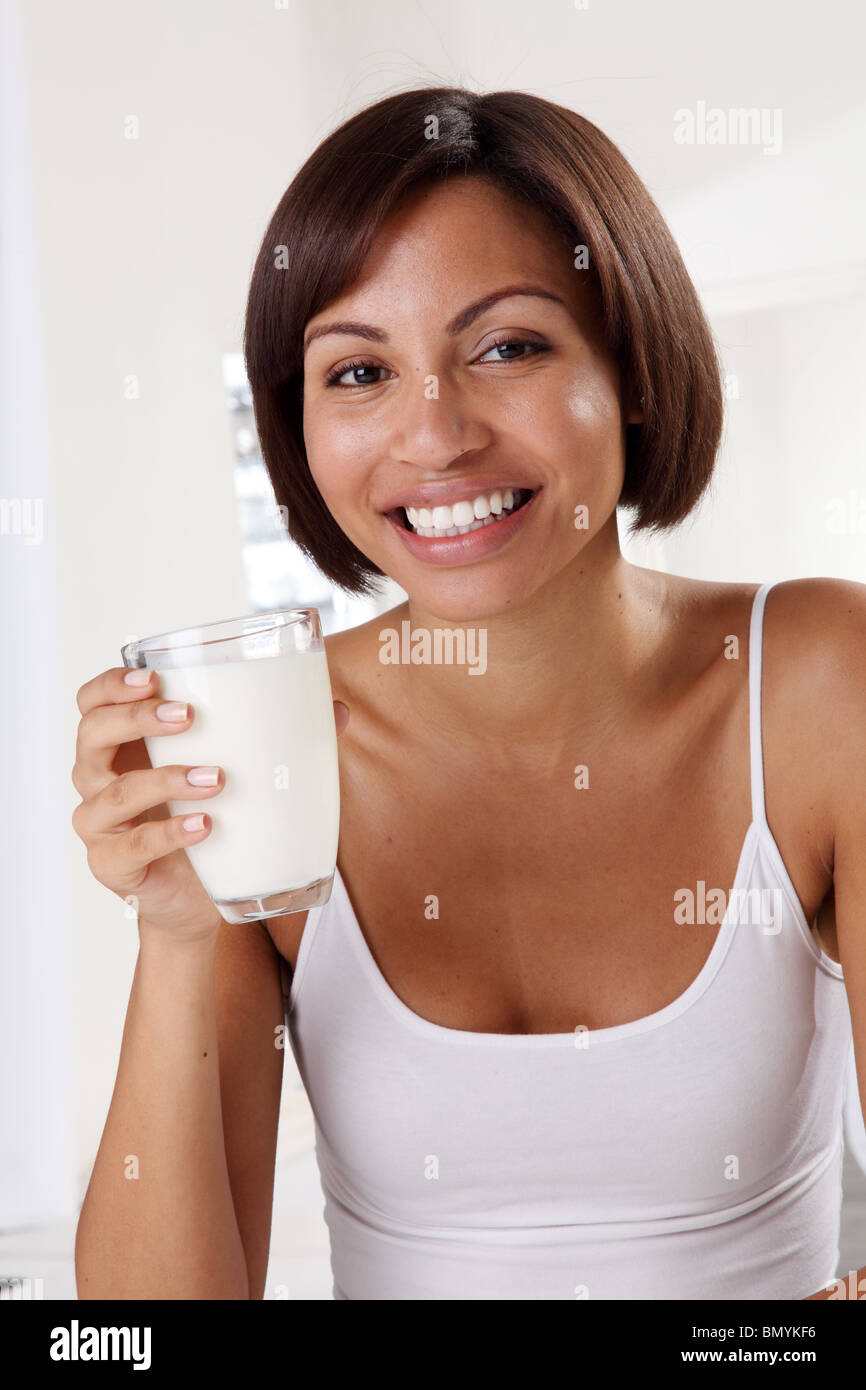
<point>450,241</point>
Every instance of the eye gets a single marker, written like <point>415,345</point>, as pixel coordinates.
<point>512,345</point>
<point>359,365</point>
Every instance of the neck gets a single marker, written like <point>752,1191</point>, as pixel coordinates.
<point>573,659</point>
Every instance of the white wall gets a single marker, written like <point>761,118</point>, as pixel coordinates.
<point>788,498</point>
<point>144,249</point>
<point>36,1062</point>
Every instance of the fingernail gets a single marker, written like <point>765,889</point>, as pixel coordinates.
<point>203,776</point>
<point>140,676</point>
<point>194,823</point>
<point>174,710</point>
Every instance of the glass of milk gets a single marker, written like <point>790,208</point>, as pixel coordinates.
<point>263,712</point>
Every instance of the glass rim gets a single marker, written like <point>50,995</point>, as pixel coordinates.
<point>259,620</point>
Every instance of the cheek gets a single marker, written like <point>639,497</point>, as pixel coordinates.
<point>564,397</point>
<point>575,421</point>
<point>336,452</point>
<point>593,407</point>
<point>579,427</point>
<point>592,403</point>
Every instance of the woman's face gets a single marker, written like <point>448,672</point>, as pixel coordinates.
<point>426,386</point>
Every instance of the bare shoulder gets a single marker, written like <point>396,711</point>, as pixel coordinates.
<point>360,681</point>
<point>814,629</point>
<point>814,695</point>
<point>353,653</point>
<point>345,652</point>
<point>815,633</point>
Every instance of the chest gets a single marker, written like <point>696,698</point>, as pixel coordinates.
<point>498,896</point>
<point>531,910</point>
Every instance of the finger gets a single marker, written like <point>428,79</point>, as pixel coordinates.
<point>130,795</point>
<point>341,716</point>
<point>120,861</point>
<point>112,686</point>
<point>105,727</point>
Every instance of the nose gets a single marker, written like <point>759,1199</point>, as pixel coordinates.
<point>435,426</point>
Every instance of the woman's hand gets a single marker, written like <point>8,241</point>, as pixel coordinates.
<point>134,847</point>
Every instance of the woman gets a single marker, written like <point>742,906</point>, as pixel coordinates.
<point>551,1049</point>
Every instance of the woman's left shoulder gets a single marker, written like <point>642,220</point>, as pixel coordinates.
<point>813,679</point>
<point>818,620</point>
<point>822,619</point>
<point>814,664</point>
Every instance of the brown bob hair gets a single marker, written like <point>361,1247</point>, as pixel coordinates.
<point>545,154</point>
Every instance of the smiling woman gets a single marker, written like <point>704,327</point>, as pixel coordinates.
<point>540,157</point>
<point>470,340</point>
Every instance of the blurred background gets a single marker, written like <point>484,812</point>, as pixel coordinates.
<point>144,148</point>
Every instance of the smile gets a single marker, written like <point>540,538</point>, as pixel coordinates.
<point>465,530</point>
<point>462,517</point>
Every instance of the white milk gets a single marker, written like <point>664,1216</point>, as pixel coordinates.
<point>269,724</point>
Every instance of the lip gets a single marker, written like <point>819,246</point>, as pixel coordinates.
<point>463,550</point>
<point>451,490</point>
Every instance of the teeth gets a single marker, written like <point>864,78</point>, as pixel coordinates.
<point>464,516</point>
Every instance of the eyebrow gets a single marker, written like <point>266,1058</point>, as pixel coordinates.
<point>458,324</point>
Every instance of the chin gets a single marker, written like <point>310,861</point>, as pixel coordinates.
<point>469,597</point>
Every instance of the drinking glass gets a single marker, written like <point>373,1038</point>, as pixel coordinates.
<point>263,712</point>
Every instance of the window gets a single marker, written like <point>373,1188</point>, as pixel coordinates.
<point>279,574</point>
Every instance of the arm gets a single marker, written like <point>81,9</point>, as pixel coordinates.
<point>842,660</point>
<point>195,1106</point>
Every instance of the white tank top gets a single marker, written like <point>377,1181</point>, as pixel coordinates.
<point>692,1154</point>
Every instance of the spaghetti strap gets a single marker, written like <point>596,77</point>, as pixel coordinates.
<point>756,630</point>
